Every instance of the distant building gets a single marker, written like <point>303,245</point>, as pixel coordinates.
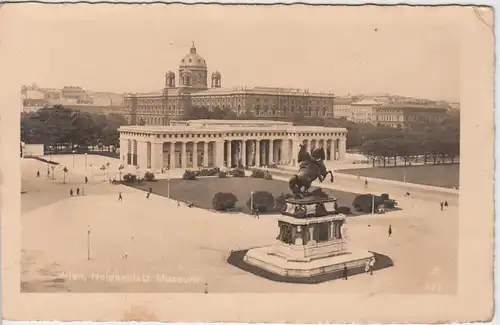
<point>342,107</point>
<point>362,111</point>
<point>193,92</point>
<point>403,115</point>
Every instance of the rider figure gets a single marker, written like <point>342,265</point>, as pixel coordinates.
<point>317,157</point>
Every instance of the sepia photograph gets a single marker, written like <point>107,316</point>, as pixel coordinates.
<point>223,151</point>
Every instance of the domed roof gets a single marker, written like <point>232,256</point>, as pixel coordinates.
<point>193,59</point>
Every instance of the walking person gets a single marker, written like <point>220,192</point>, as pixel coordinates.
<point>446,204</point>
<point>442,205</point>
<point>147,195</point>
<point>372,265</point>
<point>390,230</point>
<point>120,198</point>
<point>70,192</point>
<point>48,173</point>
<point>345,272</point>
<point>83,192</point>
<point>366,183</point>
<point>78,191</point>
<point>86,179</point>
<point>38,174</point>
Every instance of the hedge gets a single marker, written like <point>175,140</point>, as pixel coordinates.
<point>149,177</point>
<point>263,201</point>
<point>224,201</point>
<point>189,175</point>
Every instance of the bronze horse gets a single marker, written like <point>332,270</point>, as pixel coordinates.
<point>311,167</point>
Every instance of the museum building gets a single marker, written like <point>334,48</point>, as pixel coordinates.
<point>192,91</point>
<point>218,143</point>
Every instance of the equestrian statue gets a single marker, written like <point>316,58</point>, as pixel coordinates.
<point>311,167</point>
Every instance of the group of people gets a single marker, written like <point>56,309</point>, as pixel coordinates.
<point>443,204</point>
<point>78,191</point>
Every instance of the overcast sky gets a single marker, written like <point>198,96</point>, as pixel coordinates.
<point>412,52</point>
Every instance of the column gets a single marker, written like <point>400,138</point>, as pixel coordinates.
<point>228,154</point>
<point>195,154</point>
<point>257,153</point>
<point>271,152</point>
<point>244,152</point>
<point>342,149</point>
<point>333,150</point>
<point>183,155</point>
<point>295,152</point>
<point>219,153</point>
<point>123,150</point>
<point>331,229</point>
<point>311,234</point>
<point>156,156</point>
<point>205,153</point>
<point>172,155</point>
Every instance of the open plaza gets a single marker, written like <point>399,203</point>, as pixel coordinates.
<point>96,243</point>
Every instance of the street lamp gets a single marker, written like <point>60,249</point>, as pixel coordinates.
<point>404,175</point>
<point>251,201</point>
<point>74,158</point>
<point>373,203</point>
<point>168,183</point>
<point>85,161</point>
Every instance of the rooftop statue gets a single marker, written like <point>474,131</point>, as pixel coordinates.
<point>311,167</point>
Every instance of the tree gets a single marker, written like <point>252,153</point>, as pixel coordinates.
<point>120,169</point>
<point>65,170</point>
<point>224,201</point>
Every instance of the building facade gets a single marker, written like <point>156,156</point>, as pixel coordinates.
<point>402,115</point>
<point>210,143</point>
<point>191,91</point>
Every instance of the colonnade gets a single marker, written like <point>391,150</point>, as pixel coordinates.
<point>157,154</point>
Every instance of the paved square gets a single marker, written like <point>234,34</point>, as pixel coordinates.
<point>141,245</point>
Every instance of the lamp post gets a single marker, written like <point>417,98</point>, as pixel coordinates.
<point>73,158</point>
<point>168,182</point>
<point>251,201</point>
<point>404,175</point>
<point>85,161</point>
<point>373,203</point>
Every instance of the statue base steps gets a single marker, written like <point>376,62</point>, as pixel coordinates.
<point>270,259</point>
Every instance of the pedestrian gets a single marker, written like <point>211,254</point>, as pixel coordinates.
<point>446,204</point>
<point>442,205</point>
<point>345,272</point>
<point>150,189</point>
<point>48,173</point>
<point>390,230</point>
<point>257,213</point>
<point>372,265</point>
<point>83,192</point>
<point>147,195</point>
<point>37,174</point>
<point>70,192</point>
<point>366,183</point>
<point>178,204</point>
<point>77,191</point>
<point>120,198</point>
<point>86,179</point>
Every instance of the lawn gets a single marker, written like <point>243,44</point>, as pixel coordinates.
<point>201,191</point>
<point>433,175</point>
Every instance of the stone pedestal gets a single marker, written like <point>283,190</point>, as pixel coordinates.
<point>312,241</point>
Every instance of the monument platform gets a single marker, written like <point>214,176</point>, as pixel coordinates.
<point>312,242</point>
<point>267,259</point>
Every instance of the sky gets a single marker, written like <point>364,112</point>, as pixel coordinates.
<point>346,50</point>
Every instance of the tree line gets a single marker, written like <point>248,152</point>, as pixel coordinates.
<point>62,129</point>
<point>434,141</point>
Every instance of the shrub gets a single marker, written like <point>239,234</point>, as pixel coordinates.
<point>208,172</point>
<point>280,201</point>
<point>149,177</point>
<point>268,176</point>
<point>224,201</point>
<point>263,201</point>
<point>189,175</point>
<point>237,172</point>
<point>129,178</point>
<point>344,210</point>
<point>363,202</point>
<point>257,173</point>
<point>222,174</point>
